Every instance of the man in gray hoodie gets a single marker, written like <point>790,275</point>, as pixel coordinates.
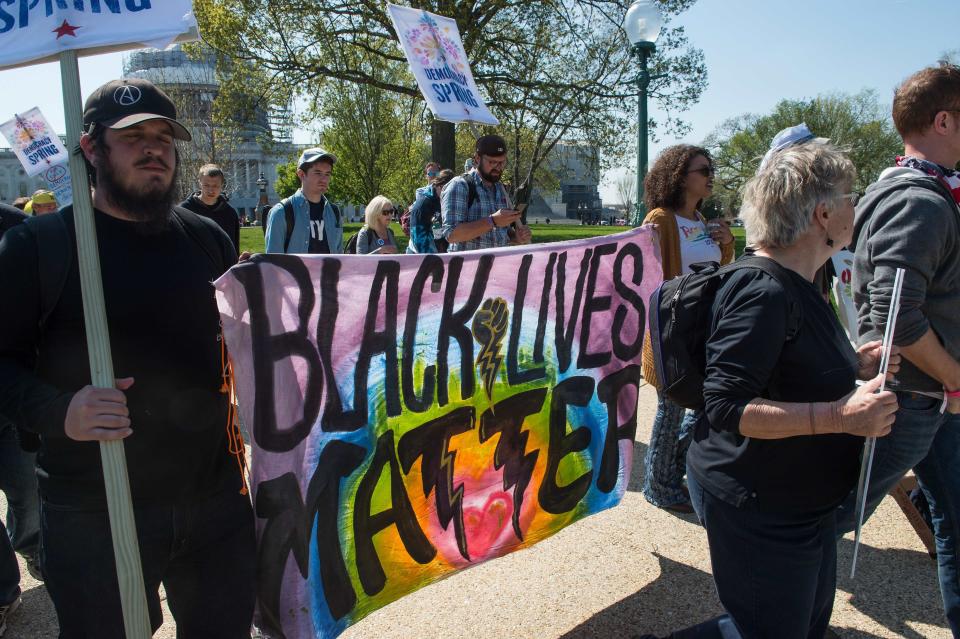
<point>909,218</point>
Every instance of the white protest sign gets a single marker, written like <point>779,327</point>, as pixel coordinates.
<point>843,292</point>
<point>439,63</point>
<point>34,142</point>
<point>33,31</point>
<point>58,180</point>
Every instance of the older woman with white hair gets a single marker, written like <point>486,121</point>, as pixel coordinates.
<point>778,444</point>
<point>376,237</point>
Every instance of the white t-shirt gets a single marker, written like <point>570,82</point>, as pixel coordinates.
<point>696,245</point>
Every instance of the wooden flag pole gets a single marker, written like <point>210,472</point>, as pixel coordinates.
<point>126,551</point>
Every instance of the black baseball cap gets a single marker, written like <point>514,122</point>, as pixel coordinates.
<point>491,145</point>
<point>119,104</point>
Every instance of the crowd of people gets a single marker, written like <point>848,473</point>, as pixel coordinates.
<point>472,210</point>
<point>768,465</point>
<point>772,460</point>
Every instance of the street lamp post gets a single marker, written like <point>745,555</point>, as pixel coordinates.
<point>642,24</point>
<point>262,201</point>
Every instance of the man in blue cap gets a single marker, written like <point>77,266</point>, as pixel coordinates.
<point>307,222</point>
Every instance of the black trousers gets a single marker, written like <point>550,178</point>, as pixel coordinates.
<point>202,552</point>
<point>776,574</point>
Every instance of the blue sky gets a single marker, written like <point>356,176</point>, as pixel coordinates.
<point>758,52</point>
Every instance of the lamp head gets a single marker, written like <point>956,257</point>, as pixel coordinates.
<point>643,23</point>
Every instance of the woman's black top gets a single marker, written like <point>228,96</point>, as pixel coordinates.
<point>748,356</point>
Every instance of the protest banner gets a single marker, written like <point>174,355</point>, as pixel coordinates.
<point>34,142</point>
<point>416,415</point>
<point>439,63</point>
<point>33,32</point>
<point>103,25</point>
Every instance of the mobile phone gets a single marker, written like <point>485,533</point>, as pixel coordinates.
<point>523,212</point>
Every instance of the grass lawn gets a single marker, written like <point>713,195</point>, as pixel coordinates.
<point>740,237</point>
<point>251,238</point>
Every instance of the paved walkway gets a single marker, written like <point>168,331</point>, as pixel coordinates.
<point>631,569</point>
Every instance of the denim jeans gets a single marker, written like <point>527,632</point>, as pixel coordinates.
<point>775,573</point>
<point>18,481</point>
<point>202,552</point>
<point>666,460</point>
<point>929,442</point>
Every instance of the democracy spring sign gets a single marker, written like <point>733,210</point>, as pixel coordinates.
<point>37,30</point>
<point>34,141</point>
<point>439,63</point>
<point>415,415</point>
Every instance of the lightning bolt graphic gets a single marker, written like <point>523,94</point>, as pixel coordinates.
<point>489,329</point>
<point>431,444</point>
<point>507,419</point>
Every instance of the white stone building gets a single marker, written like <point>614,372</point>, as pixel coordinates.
<point>262,144</point>
<point>255,151</point>
<point>577,168</point>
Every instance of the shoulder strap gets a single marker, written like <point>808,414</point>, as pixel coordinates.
<point>351,246</point>
<point>54,255</point>
<point>291,220</point>
<point>199,232</point>
<point>777,272</point>
<point>471,189</point>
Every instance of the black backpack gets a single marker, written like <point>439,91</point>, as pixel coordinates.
<point>679,317</point>
<point>471,198</point>
<point>351,246</point>
<point>56,245</point>
<point>471,190</point>
<point>288,214</point>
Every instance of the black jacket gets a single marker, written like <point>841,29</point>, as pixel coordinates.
<point>164,332</point>
<point>220,212</point>
<point>10,217</point>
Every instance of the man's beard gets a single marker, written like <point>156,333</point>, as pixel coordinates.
<point>487,176</point>
<point>150,205</point>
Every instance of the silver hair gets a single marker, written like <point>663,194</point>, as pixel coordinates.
<point>778,202</point>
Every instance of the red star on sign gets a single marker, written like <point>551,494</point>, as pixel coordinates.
<point>66,29</point>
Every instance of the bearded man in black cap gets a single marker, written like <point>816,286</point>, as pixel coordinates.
<point>477,212</point>
<point>194,520</point>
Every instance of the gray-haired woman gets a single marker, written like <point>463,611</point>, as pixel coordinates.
<point>778,445</point>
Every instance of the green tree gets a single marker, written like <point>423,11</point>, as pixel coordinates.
<point>287,180</point>
<point>950,57</point>
<point>858,123</point>
<point>551,70</point>
<point>378,138</point>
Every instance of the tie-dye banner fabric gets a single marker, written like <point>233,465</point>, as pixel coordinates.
<point>415,415</point>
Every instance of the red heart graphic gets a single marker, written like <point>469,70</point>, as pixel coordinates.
<point>484,526</point>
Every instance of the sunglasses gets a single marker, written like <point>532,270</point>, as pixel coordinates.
<point>706,171</point>
<point>387,211</point>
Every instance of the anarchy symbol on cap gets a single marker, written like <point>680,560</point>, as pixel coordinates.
<point>126,95</point>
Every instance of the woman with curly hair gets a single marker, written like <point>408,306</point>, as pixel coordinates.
<point>675,188</point>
